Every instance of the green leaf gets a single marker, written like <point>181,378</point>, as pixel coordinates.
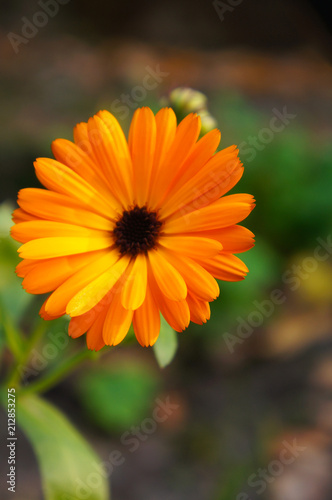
<point>166,345</point>
<point>69,467</point>
<point>126,391</point>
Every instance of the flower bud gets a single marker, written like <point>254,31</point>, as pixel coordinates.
<point>185,100</point>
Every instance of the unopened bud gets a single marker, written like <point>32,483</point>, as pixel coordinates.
<point>208,122</point>
<point>185,100</point>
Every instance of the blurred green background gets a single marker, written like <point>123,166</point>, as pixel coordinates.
<point>259,373</point>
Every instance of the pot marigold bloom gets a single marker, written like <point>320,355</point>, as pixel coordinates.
<point>125,231</point>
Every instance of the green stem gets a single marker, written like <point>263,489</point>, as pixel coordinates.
<point>58,373</point>
<point>14,375</point>
<point>15,341</point>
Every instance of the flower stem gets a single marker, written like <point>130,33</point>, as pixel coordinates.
<point>15,340</point>
<point>14,374</point>
<point>58,373</point>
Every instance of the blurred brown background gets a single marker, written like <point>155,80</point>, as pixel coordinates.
<point>241,404</point>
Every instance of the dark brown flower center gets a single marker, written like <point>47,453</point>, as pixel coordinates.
<point>136,231</point>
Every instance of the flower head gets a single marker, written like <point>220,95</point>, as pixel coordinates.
<point>125,231</point>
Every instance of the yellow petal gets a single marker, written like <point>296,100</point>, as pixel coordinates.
<point>46,248</point>
<point>92,293</point>
<point>58,300</point>
<point>134,288</point>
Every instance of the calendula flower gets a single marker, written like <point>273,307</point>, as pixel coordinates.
<point>125,231</point>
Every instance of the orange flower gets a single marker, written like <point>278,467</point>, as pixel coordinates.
<point>125,231</point>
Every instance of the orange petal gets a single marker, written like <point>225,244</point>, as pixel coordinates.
<point>192,246</point>
<point>121,147</point>
<point>142,144</point>
<point>45,315</point>
<point>81,138</point>
<point>25,266</point>
<point>185,138</point>
<point>199,309</point>
<point>176,313</point>
<point>26,231</point>
<point>209,184</point>
<point>117,322</point>
<point>71,155</point>
<point>169,280</point>
<point>81,324</point>
<point>20,215</point>
<point>222,213</point>
<point>226,267</point>
<point>58,300</point>
<point>47,275</point>
<point>146,321</point>
<point>198,280</point>
<point>94,336</point>
<point>114,166</point>
<point>58,207</point>
<point>61,179</point>
<point>234,239</point>
<point>202,151</point>
<point>165,133</point>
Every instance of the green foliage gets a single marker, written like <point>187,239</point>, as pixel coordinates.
<point>69,467</point>
<point>13,298</point>
<point>119,397</point>
<point>166,346</point>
